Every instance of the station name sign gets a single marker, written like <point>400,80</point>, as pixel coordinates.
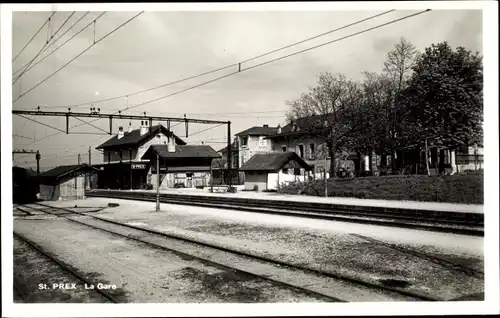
<point>138,166</point>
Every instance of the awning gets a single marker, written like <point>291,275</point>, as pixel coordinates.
<point>182,169</point>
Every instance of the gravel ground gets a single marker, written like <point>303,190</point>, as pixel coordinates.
<point>145,274</point>
<point>32,268</point>
<point>369,252</point>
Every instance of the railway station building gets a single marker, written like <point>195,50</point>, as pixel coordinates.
<point>185,166</point>
<point>124,167</point>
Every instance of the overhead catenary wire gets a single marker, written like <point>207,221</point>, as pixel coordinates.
<point>43,47</point>
<point>203,130</point>
<point>273,60</point>
<point>80,54</point>
<point>53,42</point>
<point>280,58</point>
<point>227,66</point>
<point>33,37</point>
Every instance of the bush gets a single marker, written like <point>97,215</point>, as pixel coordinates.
<point>462,188</point>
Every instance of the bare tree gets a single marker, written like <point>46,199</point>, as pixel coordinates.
<point>329,109</point>
<point>397,71</point>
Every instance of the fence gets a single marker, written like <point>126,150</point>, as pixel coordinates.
<point>463,159</point>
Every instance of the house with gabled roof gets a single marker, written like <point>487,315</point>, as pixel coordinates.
<point>124,166</point>
<point>185,166</point>
<point>268,171</point>
<point>65,182</point>
<point>253,141</point>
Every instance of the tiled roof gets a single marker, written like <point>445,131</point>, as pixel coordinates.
<point>272,161</point>
<point>303,125</point>
<point>61,171</point>
<point>234,147</point>
<point>134,138</point>
<point>258,131</point>
<point>181,151</point>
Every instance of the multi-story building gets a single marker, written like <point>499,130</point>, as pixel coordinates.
<point>252,141</point>
<point>123,166</point>
<point>296,137</point>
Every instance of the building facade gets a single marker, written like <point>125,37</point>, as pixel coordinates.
<point>253,141</point>
<point>65,182</point>
<point>185,166</point>
<point>124,166</point>
<point>270,171</point>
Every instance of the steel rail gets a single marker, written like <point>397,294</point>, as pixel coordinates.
<point>430,223</point>
<point>380,287</point>
<point>63,266</point>
<point>207,261</point>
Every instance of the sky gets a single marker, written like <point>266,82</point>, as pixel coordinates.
<point>161,47</point>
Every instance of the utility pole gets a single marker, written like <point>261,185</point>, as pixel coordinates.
<point>89,176</point>
<point>38,157</point>
<point>229,157</point>
<point>78,159</point>
<point>157,182</point>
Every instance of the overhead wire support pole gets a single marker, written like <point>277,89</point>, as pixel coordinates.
<point>229,157</point>
<point>157,182</point>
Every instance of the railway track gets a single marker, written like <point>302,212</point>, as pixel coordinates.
<point>124,230</point>
<point>65,267</point>
<point>450,222</point>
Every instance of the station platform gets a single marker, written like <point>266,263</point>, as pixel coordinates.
<point>414,205</point>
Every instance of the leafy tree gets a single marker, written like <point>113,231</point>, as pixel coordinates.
<point>444,99</point>
<point>331,109</point>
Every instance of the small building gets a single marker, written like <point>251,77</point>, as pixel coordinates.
<point>65,182</point>
<point>186,166</point>
<point>269,171</point>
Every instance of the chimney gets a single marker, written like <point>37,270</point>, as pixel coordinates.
<point>171,143</point>
<point>130,127</point>
<point>142,129</point>
<point>278,129</point>
<point>266,125</point>
<point>120,132</point>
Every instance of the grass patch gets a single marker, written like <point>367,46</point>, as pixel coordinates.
<point>466,188</point>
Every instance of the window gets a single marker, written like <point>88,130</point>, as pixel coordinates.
<point>311,150</point>
<point>262,142</point>
<point>296,171</point>
<point>244,141</point>
<point>283,148</point>
<point>285,170</point>
<point>301,151</point>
